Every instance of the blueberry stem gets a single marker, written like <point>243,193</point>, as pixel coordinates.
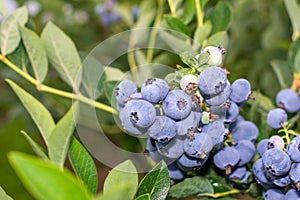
<point>172,8</point>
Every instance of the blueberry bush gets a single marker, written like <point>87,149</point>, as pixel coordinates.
<point>154,99</point>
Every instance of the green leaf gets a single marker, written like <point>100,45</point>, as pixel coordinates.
<point>190,187</point>
<point>125,13</point>
<point>35,146</point>
<point>123,174</point>
<point>3,195</point>
<point>59,140</point>
<point>188,11</point>
<point>217,182</point>
<point>220,17</point>
<point>62,55</point>
<point>93,75</point>
<point>177,25</point>
<point>9,31</point>
<point>117,193</point>
<point>202,32</point>
<point>109,87</point>
<point>2,8</point>
<point>283,72</point>
<point>203,3</point>
<point>295,47</point>
<point>261,103</point>
<point>40,115</point>
<point>113,74</point>
<point>220,38</point>
<point>297,62</point>
<point>44,180</point>
<point>36,53</point>
<point>143,197</point>
<point>189,59</point>
<point>293,10</point>
<point>83,165</point>
<point>156,183</point>
<point>20,58</point>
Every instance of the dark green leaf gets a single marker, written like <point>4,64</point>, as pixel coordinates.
<point>177,25</point>
<point>203,3</point>
<point>143,197</point>
<point>40,115</point>
<point>63,55</point>
<point>220,17</point>
<point>44,180</point>
<point>59,140</point>
<point>20,58</point>
<point>35,146</point>
<point>283,72</point>
<point>109,88</point>
<point>218,183</point>
<point>156,183</point>
<point>83,165</point>
<point>36,53</point>
<point>9,31</point>
<point>297,62</point>
<point>189,11</point>
<point>3,195</point>
<point>123,174</point>
<point>263,103</point>
<point>210,198</point>
<point>190,187</point>
<point>293,10</point>
<point>294,49</point>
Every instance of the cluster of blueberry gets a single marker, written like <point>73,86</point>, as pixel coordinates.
<point>188,117</point>
<point>278,169</point>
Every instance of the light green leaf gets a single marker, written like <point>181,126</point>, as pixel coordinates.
<point>156,183</point>
<point>220,17</point>
<point>293,9</point>
<point>62,55</point>
<point>93,75</point>
<point>283,72</point>
<point>44,180</point>
<point>3,195</point>
<point>83,165</point>
<point>190,187</point>
<point>35,146</point>
<point>116,193</point>
<point>294,48</point>
<point>202,32</point>
<point>2,8</point>
<point>144,197</point>
<point>125,13</point>
<point>189,11</point>
<point>177,25</point>
<point>297,62</point>
<point>203,3</point>
<point>113,74</point>
<point>123,174</point>
<point>36,53</point>
<point>220,38</point>
<point>40,115</point>
<point>9,32</point>
<point>59,140</point>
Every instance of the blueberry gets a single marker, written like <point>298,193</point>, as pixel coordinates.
<point>276,162</point>
<point>215,130</point>
<point>238,173</point>
<point>282,181</point>
<point>232,112</point>
<point>154,90</point>
<point>218,112</point>
<point>262,146</point>
<point>240,90</point>
<point>276,118</point>
<point>233,124</point>
<point>141,113</point>
<point>187,163</point>
<point>226,158</point>
<point>163,129</point>
<point>212,81</point>
<point>293,149</point>
<point>198,146</point>
<point>172,149</point>
<point>288,100</point>
<point>124,89</point>
<point>260,174</point>
<point>151,150</point>
<point>246,150</point>
<point>174,172</point>
<point>245,130</point>
<point>177,105</point>
<point>295,174</point>
<point>189,124</point>
<point>292,194</point>
<point>273,194</point>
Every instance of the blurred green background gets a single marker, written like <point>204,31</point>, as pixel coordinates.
<point>259,33</point>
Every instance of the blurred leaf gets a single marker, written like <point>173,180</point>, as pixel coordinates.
<point>203,3</point>
<point>93,75</point>
<point>36,53</point>
<point>59,140</point>
<point>2,8</point>
<point>293,10</point>
<point>83,165</point>
<point>189,59</point>
<point>190,187</point>
<point>297,62</point>
<point>109,87</point>
<point>220,17</point>
<point>44,180</point>
<point>202,32</point>
<point>177,25</point>
<point>3,195</point>
<point>40,115</point>
<point>220,38</point>
<point>143,197</point>
<point>283,72</point>
<point>125,13</point>
<point>255,190</point>
<point>261,103</point>
<point>9,31</point>
<point>20,58</point>
<point>35,146</point>
<point>189,11</point>
<point>210,198</point>
<point>156,183</point>
<point>294,49</point>
<point>117,193</point>
<point>62,55</point>
<point>123,174</point>
<point>113,74</point>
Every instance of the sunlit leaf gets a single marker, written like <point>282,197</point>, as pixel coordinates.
<point>40,115</point>
<point>143,197</point>
<point>83,165</point>
<point>9,31</point>
<point>220,38</point>
<point>2,8</point>
<point>3,195</point>
<point>36,53</point>
<point>119,192</point>
<point>202,32</point>
<point>45,180</point>
<point>35,146</point>
<point>293,9</point>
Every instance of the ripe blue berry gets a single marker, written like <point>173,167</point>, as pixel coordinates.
<point>276,118</point>
<point>154,90</point>
<point>238,173</point>
<point>262,146</point>
<point>124,89</point>
<point>174,172</point>
<point>227,158</point>
<point>292,194</point>
<point>189,124</point>
<point>163,129</point>
<point>293,149</point>
<point>198,146</point>
<point>272,194</point>
<point>260,174</point>
<point>276,162</point>
<point>295,174</point>
<point>187,163</point>
<point>240,90</point>
<point>151,150</point>
<point>172,149</point>
<point>288,100</point>
<point>245,130</point>
<point>232,112</point>
<point>246,150</point>
<point>215,130</point>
